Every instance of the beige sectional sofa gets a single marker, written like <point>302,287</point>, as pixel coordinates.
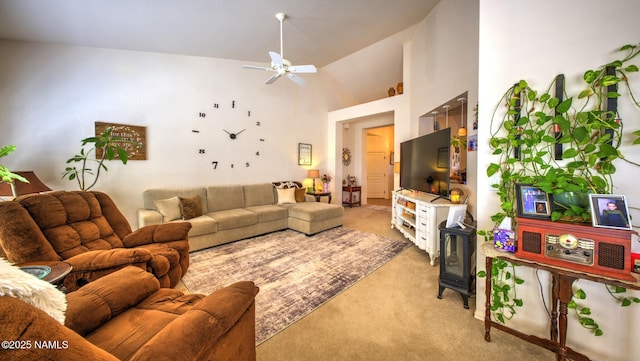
<point>226,213</point>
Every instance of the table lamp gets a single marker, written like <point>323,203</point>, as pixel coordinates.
<point>17,188</point>
<point>313,174</point>
<point>455,195</point>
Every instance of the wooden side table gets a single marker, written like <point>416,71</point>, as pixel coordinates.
<point>59,270</point>
<point>320,194</point>
<point>351,195</point>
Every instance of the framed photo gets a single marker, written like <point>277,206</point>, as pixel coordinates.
<point>304,154</point>
<point>533,202</point>
<point>609,211</point>
<point>352,181</point>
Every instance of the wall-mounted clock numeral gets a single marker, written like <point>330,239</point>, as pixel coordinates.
<point>215,164</point>
<point>258,154</point>
<point>262,139</point>
<point>246,164</point>
<point>233,103</point>
<point>195,131</point>
<point>257,124</point>
<point>231,165</point>
<point>248,113</point>
<point>216,105</point>
<point>202,115</point>
<point>201,151</point>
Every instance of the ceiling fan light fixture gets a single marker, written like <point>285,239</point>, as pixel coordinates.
<point>282,66</point>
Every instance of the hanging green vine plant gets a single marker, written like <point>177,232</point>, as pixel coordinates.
<point>566,145</point>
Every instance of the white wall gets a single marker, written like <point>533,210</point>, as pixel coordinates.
<point>536,40</point>
<point>51,96</point>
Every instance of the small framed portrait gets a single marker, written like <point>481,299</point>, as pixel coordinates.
<point>533,202</point>
<point>352,181</point>
<point>609,211</point>
<point>304,154</point>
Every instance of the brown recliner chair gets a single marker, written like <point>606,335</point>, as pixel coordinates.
<point>88,231</point>
<point>127,316</point>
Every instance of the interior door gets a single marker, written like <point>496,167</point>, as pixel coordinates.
<point>376,175</point>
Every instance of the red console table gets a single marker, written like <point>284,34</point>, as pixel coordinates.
<point>562,281</point>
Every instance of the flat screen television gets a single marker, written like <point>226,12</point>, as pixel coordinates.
<point>425,162</point>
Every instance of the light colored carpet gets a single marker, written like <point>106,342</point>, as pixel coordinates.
<point>296,273</point>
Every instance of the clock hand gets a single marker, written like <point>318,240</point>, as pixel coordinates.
<point>240,131</point>
<point>226,131</point>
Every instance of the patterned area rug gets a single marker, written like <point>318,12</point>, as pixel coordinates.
<point>295,273</point>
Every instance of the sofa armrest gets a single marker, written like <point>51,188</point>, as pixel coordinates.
<point>147,217</point>
<point>196,334</point>
<point>103,299</point>
<point>159,233</point>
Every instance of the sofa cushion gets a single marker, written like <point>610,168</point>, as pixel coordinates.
<point>234,218</point>
<point>149,196</point>
<point>169,208</point>
<point>258,194</point>
<point>286,195</point>
<point>269,212</point>
<point>300,194</point>
<point>191,207</point>
<point>202,225</point>
<point>222,198</point>
<point>315,211</point>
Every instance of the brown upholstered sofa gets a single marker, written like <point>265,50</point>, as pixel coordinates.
<point>127,316</point>
<point>88,231</point>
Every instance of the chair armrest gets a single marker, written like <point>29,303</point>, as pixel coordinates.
<point>92,265</point>
<point>158,233</point>
<point>147,217</point>
<point>25,323</point>
<point>195,334</point>
<point>103,299</point>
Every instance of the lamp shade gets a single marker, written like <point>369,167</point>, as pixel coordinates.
<point>34,185</point>
<point>455,194</point>
<point>462,132</point>
<point>313,173</point>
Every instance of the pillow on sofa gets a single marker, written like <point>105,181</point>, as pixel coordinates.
<point>286,195</point>
<point>169,208</point>
<point>26,287</point>
<point>191,207</point>
<point>300,194</point>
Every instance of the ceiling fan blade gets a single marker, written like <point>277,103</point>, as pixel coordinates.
<point>257,67</point>
<point>275,58</point>
<point>296,79</point>
<point>302,69</point>
<point>273,78</point>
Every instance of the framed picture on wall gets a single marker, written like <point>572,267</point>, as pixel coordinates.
<point>304,154</point>
<point>533,202</point>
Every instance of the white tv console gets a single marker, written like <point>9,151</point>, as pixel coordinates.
<point>417,215</point>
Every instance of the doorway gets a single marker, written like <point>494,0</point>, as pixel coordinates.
<point>379,165</point>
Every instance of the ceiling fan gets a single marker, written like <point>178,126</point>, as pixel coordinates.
<point>281,66</point>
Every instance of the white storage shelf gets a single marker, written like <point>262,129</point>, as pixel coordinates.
<point>416,216</point>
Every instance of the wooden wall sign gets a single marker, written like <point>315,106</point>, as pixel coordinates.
<point>131,132</point>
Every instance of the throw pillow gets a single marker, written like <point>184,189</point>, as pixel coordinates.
<point>191,207</point>
<point>169,208</point>
<point>286,195</point>
<point>300,194</point>
<point>32,290</point>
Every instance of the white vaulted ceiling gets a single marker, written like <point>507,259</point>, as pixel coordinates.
<point>315,32</point>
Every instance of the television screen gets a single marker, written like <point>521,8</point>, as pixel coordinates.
<point>425,162</point>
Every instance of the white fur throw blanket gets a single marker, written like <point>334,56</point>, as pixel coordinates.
<point>19,284</point>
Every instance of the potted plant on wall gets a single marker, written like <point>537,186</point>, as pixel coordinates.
<point>565,145</point>
<point>105,147</point>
